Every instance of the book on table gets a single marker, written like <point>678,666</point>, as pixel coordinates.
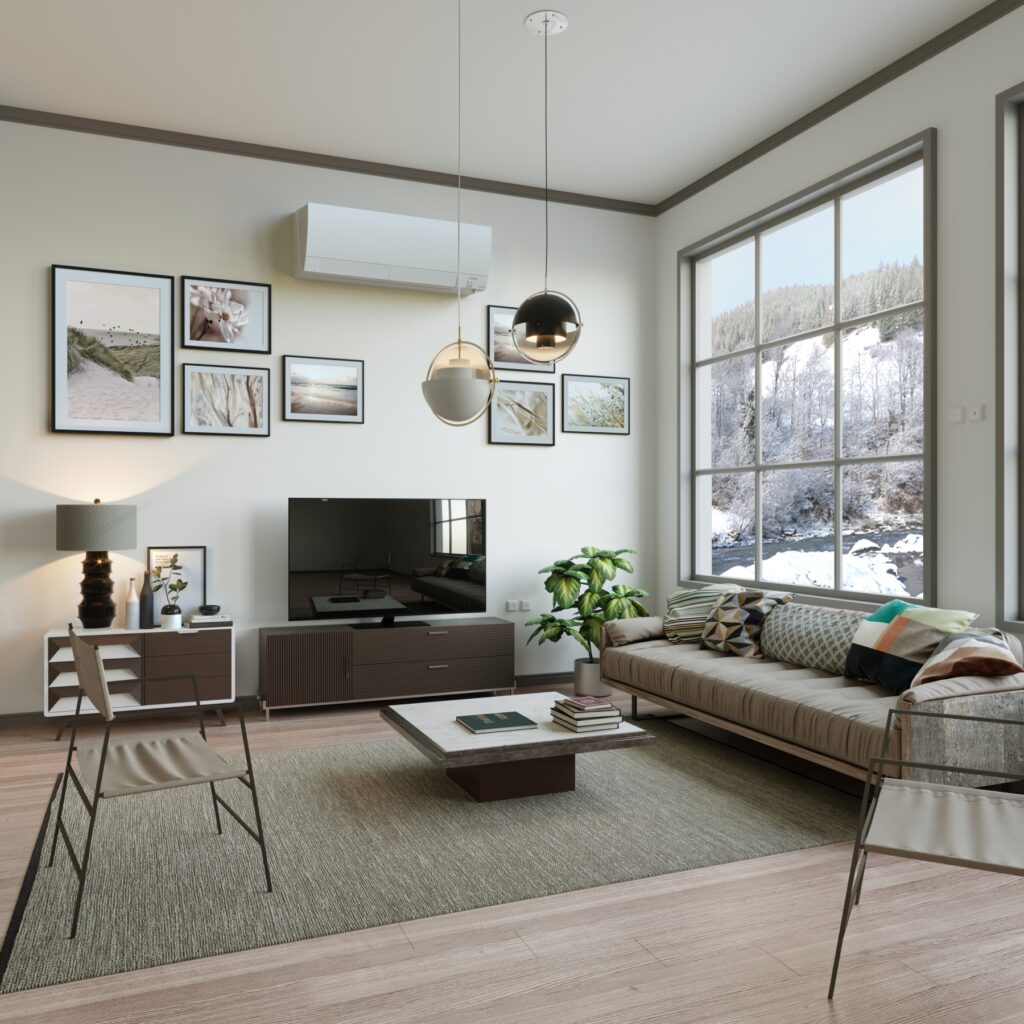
<point>577,703</point>
<point>593,713</point>
<point>496,721</point>
<point>604,725</point>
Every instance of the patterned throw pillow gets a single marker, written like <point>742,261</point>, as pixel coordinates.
<point>459,569</point>
<point>811,637</point>
<point>443,568</point>
<point>688,610</point>
<point>971,653</point>
<point>734,623</point>
<point>892,643</point>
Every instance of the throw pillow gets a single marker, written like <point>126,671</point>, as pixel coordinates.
<point>892,643</point>
<point>459,568</point>
<point>970,653</point>
<point>620,632</point>
<point>810,636</point>
<point>734,623</point>
<point>478,571</point>
<point>443,568</point>
<point>689,609</point>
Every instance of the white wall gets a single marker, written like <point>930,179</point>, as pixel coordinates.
<point>955,93</point>
<point>94,202</point>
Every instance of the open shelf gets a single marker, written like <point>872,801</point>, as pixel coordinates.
<point>69,680</point>
<point>108,652</point>
<point>118,702</point>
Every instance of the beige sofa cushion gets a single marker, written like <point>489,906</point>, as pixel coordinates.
<point>838,717</point>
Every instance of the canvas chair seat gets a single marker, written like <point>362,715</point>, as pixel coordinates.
<point>159,762</point>
<point>973,828</point>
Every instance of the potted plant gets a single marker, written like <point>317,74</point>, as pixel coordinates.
<point>172,586</point>
<point>580,586</point>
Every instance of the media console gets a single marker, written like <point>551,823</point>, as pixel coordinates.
<point>302,666</point>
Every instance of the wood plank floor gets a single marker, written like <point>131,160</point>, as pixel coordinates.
<point>747,942</point>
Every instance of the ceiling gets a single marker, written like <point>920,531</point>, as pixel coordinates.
<point>645,96</point>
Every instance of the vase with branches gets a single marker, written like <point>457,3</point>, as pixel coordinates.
<point>583,599</point>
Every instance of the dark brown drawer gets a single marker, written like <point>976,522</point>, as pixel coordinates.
<point>431,643</point>
<point>179,690</point>
<point>434,676</point>
<point>200,664</point>
<point>202,641</point>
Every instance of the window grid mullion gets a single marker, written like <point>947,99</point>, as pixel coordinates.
<point>842,463</point>
<point>837,400</point>
<point>758,530</point>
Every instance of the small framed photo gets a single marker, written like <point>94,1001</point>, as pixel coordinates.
<point>189,563</point>
<point>594,405</point>
<point>522,412</point>
<point>323,390</point>
<point>113,352</point>
<point>500,346</point>
<point>232,400</point>
<point>230,316</point>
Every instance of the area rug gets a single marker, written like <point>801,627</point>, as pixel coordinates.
<point>372,833</point>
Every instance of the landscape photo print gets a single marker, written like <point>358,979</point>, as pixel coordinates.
<point>522,412</point>
<point>502,349</point>
<point>323,390</point>
<point>595,405</point>
<point>225,315</point>
<point>226,400</point>
<point>112,352</point>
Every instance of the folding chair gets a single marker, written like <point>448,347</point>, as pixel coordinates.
<point>166,761</point>
<point>925,820</point>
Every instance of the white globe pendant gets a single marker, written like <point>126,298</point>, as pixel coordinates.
<point>460,382</point>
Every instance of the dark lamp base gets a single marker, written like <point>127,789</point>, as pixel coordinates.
<point>96,609</point>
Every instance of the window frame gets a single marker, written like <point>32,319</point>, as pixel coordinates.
<point>918,150</point>
<point>435,520</point>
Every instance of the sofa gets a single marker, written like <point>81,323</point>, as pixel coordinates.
<point>812,712</point>
<point>468,594</point>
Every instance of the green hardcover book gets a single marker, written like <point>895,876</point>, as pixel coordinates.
<point>497,721</point>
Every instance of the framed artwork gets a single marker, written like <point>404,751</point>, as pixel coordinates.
<point>231,400</point>
<point>323,390</point>
<point>594,405</point>
<point>192,563</point>
<point>500,346</point>
<point>230,316</point>
<point>113,352</point>
<point>522,412</point>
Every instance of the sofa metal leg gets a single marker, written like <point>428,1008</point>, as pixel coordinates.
<point>632,713</point>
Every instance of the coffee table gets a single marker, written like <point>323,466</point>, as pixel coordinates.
<point>500,766</point>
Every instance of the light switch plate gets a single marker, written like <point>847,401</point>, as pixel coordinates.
<point>956,415</point>
<point>511,606</point>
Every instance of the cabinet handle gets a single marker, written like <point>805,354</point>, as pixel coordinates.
<point>437,632</point>
<point>437,666</point>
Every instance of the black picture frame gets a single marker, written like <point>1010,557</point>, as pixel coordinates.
<point>263,371</point>
<point>569,378</point>
<point>286,412</point>
<point>223,346</point>
<point>536,385</point>
<point>61,423</point>
<point>178,548</point>
<point>517,364</point>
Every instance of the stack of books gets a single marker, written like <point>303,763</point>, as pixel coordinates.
<point>586,714</point>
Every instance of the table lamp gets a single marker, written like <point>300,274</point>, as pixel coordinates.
<point>96,529</point>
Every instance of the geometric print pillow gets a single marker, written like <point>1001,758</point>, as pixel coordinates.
<point>734,623</point>
<point>688,610</point>
<point>893,643</point>
<point>971,653</point>
<point>811,637</point>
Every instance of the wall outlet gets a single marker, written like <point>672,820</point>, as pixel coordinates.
<point>511,606</point>
<point>524,606</point>
<point>956,415</point>
<point>975,413</point>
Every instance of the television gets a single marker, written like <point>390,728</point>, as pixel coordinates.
<point>386,558</point>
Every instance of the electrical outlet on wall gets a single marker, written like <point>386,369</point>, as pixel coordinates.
<point>511,606</point>
<point>524,606</point>
<point>975,413</point>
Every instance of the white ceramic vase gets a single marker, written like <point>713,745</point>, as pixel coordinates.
<point>170,620</point>
<point>131,608</point>
<point>588,679</point>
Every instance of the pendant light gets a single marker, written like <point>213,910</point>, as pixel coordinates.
<point>547,325</point>
<point>460,379</point>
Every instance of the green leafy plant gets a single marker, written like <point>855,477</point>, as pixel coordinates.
<point>172,584</point>
<point>579,585</point>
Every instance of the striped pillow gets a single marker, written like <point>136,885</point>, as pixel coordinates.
<point>971,653</point>
<point>688,610</point>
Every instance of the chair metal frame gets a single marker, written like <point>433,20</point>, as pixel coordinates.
<point>81,867</point>
<point>869,801</point>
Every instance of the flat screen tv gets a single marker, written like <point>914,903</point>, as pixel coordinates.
<point>382,558</point>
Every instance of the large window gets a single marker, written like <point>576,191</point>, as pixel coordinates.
<point>809,397</point>
<point>457,526</point>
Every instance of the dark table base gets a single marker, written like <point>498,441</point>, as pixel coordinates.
<point>505,780</point>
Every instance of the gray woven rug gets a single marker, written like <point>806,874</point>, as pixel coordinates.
<point>370,834</point>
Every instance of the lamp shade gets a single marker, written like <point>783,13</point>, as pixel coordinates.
<point>95,527</point>
<point>546,327</point>
<point>460,382</point>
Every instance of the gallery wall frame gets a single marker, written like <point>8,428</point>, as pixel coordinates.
<point>593,404</point>
<point>227,316</point>
<point>232,401</point>
<point>522,412</point>
<point>315,389</point>
<point>112,368</point>
<point>501,349</point>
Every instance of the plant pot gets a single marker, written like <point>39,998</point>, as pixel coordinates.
<point>170,617</point>
<point>588,679</point>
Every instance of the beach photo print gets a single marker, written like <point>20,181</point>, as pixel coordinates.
<point>112,352</point>
<point>323,390</point>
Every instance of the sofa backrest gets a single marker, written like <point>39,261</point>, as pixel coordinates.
<point>810,636</point>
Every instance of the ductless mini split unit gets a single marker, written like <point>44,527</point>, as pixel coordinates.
<point>340,243</point>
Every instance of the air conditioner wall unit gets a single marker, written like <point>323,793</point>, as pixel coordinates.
<point>341,243</point>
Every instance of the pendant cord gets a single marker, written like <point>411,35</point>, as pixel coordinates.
<point>458,201</point>
<point>546,16</point>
